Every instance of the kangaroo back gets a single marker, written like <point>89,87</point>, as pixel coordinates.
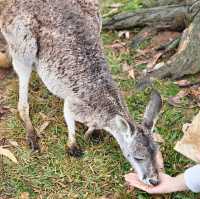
<point>61,40</point>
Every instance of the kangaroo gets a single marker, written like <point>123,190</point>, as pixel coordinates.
<point>60,39</point>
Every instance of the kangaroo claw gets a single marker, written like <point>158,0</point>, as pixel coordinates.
<point>33,141</point>
<point>75,151</point>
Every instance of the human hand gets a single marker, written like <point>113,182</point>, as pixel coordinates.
<point>167,184</point>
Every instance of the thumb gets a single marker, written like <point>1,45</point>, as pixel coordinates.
<point>131,176</point>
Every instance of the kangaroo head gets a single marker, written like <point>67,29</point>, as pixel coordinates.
<point>137,143</point>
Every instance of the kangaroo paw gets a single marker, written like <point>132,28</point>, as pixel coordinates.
<point>75,151</point>
<point>33,141</point>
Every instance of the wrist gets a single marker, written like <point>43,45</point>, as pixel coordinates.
<point>179,183</point>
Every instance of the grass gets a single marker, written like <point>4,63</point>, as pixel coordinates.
<point>127,5</point>
<point>53,174</point>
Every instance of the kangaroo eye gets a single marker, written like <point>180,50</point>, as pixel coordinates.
<point>139,159</point>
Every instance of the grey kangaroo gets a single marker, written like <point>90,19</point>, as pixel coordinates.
<point>60,39</point>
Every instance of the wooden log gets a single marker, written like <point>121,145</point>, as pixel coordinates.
<point>172,17</point>
<point>173,2</point>
<point>154,3</point>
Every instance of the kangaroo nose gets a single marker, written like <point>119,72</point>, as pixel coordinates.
<point>154,182</point>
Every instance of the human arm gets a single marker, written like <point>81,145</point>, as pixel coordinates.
<point>168,184</point>
<point>190,180</point>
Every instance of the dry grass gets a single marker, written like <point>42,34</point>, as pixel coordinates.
<point>54,174</point>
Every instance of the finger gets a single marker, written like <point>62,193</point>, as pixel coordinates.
<point>160,189</point>
<point>131,178</point>
<point>159,161</point>
<point>134,181</point>
<point>131,175</point>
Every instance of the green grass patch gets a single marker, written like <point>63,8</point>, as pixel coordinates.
<point>53,174</point>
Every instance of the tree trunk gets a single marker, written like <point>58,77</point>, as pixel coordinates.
<point>174,17</point>
<point>187,60</point>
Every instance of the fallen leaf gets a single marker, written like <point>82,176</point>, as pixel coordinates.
<point>163,37</point>
<point>43,126</point>
<point>24,195</point>
<point>158,138</point>
<point>3,110</point>
<point>125,67</point>
<point>140,62</point>
<point>8,154</point>
<point>159,65</point>
<point>153,62</point>
<point>43,116</point>
<point>149,55</point>
<point>13,143</point>
<point>119,47</point>
<point>176,100</point>
<point>131,74</point>
<point>4,143</point>
<point>195,92</point>
<point>183,82</point>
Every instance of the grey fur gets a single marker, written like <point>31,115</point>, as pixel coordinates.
<point>61,39</point>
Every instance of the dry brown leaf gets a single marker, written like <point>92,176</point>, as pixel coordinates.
<point>176,100</point>
<point>182,82</point>
<point>158,138</point>
<point>8,154</point>
<point>24,195</point>
<point>44,117</point>
<point>13,143</point>
<point>131,74</point>
<point>128,69</point>
<point>3,110</point>
<point>118,46</point>
<point>43,126</point>
<point>159,65</point>
<point>140,62</point>
<point>189,145</point>
<point>195,92</point>
<point>163,37</point>
<point>125,67</point>
<point>154,60</point>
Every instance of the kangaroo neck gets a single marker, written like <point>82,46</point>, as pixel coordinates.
<point>119,138</point>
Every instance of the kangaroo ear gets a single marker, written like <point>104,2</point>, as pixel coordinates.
<point>122,124</point>
<point>152,110</point>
